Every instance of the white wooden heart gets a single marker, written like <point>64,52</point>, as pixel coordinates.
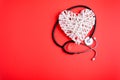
<point>77,26</point>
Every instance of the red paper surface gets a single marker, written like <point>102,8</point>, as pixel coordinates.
<point>27,51</point>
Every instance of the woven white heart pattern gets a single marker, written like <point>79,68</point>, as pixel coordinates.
<point>77,26</point>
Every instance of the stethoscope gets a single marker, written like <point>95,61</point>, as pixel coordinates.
<point>87,42</point>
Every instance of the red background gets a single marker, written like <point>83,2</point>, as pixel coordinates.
<point>27,51</point>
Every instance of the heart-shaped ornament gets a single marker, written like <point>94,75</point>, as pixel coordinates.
<point>77,26</point>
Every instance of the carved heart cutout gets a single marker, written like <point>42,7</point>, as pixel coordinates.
<point>77,26</point>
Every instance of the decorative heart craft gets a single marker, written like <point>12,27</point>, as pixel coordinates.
<point>77,26</point>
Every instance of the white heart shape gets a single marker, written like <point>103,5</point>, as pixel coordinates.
<point>77,26</point>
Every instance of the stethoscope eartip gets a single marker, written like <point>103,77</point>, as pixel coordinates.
<point>93,59</point>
